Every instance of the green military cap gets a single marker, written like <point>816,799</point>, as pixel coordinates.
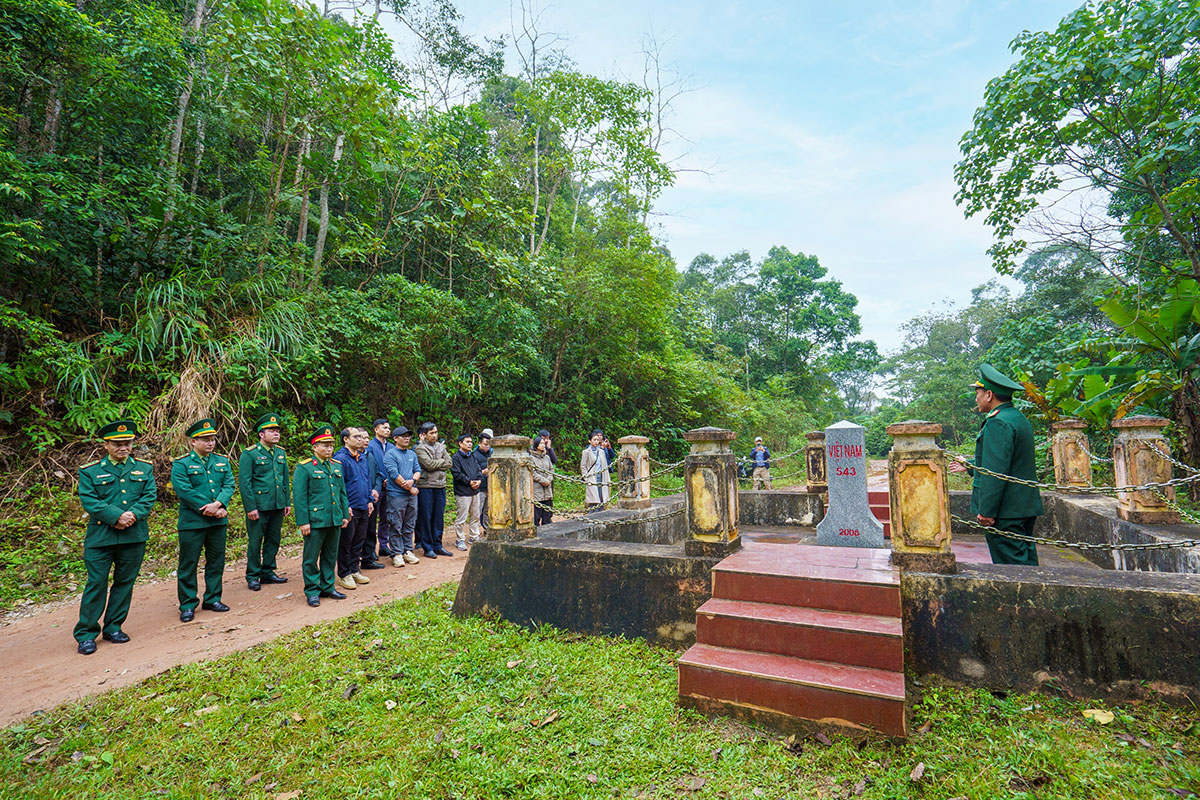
<point>991,379</point>
<point>204,427</point>
<point>118,431</point>
<point>323,433</point>
<point>266,421</point>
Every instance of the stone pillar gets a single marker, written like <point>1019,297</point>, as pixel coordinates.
<point>920,499</point>
<point>814,461</point>
<point>1135,464</point>
<point>1070,451</point>
<point>711,493</point>
<point>510,490</point>
<point>633,472</point>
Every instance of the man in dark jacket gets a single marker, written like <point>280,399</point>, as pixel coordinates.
<point>1004,445</point>
<point>377,523</point>
<point>483,451</point>
<point>464,469</point>
<point>358,472</point>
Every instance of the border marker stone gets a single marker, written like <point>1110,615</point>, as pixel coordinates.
<point>849,521</point>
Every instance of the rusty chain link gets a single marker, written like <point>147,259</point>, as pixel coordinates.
<point>1167,457</point>
<point>1054,487</point>
<point>1181,543</point>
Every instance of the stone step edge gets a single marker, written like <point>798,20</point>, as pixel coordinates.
<point>692,659</point>
<point>892,580</point>
<point>715,607</point>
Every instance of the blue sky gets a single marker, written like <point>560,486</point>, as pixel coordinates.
<point>829,128</point>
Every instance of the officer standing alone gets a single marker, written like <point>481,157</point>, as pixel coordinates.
<point>263,482</point>
<point>117,492</point>
<point>203,482</point>
<point>1004,445</point>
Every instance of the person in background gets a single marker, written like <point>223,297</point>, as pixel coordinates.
<point>263,483</point>
<point>431,501</point>
<point>203,482</point>
<point>322,510</point>
<point>117,492</point>
<point>402,469</point>
<point>543,483</point>
<point>483,451</point>
<point>609,454</point>
<point>760,459</point>
<point>464,468</point>
<point>544,435</point>
<point>593,466</point>
<point>377,522</point>
<point>357,474</point>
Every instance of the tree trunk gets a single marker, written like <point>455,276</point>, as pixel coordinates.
<point>302,223</point>
<point>50,126</point>
<point>185,98</point>
<point>537,187</point>
<point>323,225</point>
<point>1187,416</point>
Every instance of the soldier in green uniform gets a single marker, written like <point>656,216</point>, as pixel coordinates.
<point>263,482</point>
<point>322,510</point>
<point>203,482</point>
<point>1004,445</point>
<point>117,492</point>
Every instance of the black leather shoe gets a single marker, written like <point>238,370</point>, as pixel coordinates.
<point>86,647</point>
<point>217,606</point>
<point>314,601</point>
<point>430,554</point>
<point>273,578</point>
<point>335,594</point>
<point>441,551</point>
<point>120,637</point>
<point>371,565</point>
<point>254,585</point>
<point>187,615</point>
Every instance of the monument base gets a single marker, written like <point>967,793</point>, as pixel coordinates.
<point>941,563</point>
<point>510,534</point>
<point>699,549</point>
<point>1163,517</point>
<point>639,503</point>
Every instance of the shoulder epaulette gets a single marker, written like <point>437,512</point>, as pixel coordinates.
<point>91,463</point>
<point>251,447</point>
<point>144,461</point>
<point>181,458</point>
<point>334,460</point>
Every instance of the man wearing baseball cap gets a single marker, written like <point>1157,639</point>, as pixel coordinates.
<point>117,492</point>
<point>203,482</point>
<point>760,458</point>
<point>1003,445</point>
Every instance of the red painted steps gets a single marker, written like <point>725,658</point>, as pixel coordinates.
<point>797,636</point>
<point>881,509</point>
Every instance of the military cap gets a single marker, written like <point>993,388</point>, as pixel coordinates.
<point>323,433</point>
<point>204,427</point>
<point>266,421</point>
<point>118,431</point>
<point>991,379</point>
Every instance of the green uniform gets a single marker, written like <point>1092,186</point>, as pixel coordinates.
<point>106,491</point>
<point>199,481</point>
<point>319,500</point>
<point>1005,445</point>
<point>263,482</point>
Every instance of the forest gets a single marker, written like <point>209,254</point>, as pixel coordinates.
<point>222,207</point>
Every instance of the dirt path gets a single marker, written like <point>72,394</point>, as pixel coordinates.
<point>40,668</point>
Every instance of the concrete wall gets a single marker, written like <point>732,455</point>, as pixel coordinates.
<point>780,508</point>
<point>1090,634</point>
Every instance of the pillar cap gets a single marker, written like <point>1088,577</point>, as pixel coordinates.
<point>913,426</point>
<point>709,435</point>
<point>633,440</point>
<point>1141,422</point>
<point>512,440</point>
<point>814,435</point>
<point>1069,425</point>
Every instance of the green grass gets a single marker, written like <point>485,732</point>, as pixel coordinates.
<point>483,709</point>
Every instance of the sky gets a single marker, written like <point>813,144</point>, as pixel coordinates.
<point>829,128</point>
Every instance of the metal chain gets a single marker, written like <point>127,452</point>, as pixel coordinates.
<point>1176,462</point>
<point>785,476</point>
<point>665,464</point>
<point>583,517</point>
<point>1182,543</point>
<point>1178,509</point>
<point>1054,487</point>
<point>1087,451</point>
<point>774,458</point>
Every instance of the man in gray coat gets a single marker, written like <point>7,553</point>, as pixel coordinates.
<point>431,490</point>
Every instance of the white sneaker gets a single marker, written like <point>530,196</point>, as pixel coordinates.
<point>397,561</point>
<point>359,578</point>
<point>461,544</point>
<point>411,557</point>
<point>474,539</point>
<point>347,582</point>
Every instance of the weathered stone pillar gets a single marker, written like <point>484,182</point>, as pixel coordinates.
<point>1135,464</point>
<point>920,499</point>
<point>633,472</point>
<point>814,461</point>
<point>1070,451</point>
<point>711,493</point>
<point>510,490</point>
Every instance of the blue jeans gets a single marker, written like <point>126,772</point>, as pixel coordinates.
<point>402,520</point>
<point>431,517</point>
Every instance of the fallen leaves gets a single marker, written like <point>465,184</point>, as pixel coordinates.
<point>918,772</point>
<point>553,715</point>
<point>350,690</point>
<point>200,712</point>
<point>389,704</point>
<point>692,783</point>
<point>1103,716</point>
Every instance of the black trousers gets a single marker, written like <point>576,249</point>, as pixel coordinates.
<point>542,516</point>
<point>350,546</point>
<point>377,528</point>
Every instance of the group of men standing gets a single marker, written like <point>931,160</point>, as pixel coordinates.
<point>372,491</point>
